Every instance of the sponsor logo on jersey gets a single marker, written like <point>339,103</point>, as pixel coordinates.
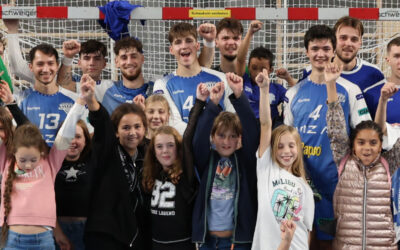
<point>33,108</point>
<point>304,100</point>
<point>248,89</point>
<point>359,96</point>
<point>363,111</point>
<point>118,95</point>
<point>160,91</point>
<point>311,150</point>
<point>179,91</point>
<point>341,97</point>
<point>65,106</point>
<point>210,84</point>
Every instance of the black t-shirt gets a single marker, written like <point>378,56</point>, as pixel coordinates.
<point>72,188</point>
<point>171,213</point>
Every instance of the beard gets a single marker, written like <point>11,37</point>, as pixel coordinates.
<point>230,58</point>
<point>346,60</point>
<point>132,77</point>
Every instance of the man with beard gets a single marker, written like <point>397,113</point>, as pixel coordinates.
<point>368,77</point>
<point>229,37</point>
<point>129,59</point>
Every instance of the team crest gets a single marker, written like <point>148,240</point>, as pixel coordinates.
<point>65,106</point>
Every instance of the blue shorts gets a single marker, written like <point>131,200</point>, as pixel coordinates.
<point>41,241</point>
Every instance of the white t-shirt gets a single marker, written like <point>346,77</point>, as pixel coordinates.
<point>281,195</point>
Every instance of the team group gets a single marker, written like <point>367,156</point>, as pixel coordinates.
<point>201,158</point>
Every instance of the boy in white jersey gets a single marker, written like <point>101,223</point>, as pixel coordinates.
<point>179,87</point>
<point>305,109</point>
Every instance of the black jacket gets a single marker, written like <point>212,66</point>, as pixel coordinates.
<point>112,206</point>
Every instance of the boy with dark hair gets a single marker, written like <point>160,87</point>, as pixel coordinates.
<point>260,58</point>
<point>305,109</point>
<point>225,209</point>
<point>92,61</point>
<point>129,58</point>
<point>369,78</point>
<point>179,87</point>
<point>46,105</point>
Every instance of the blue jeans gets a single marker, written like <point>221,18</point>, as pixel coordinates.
<point>74,232</point>
<point>41,241</point>
<point>213,242</point>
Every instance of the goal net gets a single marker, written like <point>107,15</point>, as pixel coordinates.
<point>283,37</point>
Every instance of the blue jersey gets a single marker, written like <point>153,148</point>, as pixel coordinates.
<point>305,108</point>
<point>114,94</point>
<point>180,93</point>
<point>47,112</point>
<point>367,77</point>
<point>276,95</point>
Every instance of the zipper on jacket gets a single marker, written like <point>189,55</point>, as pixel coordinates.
<point>364,208</point>
<point>137,231</point>
<point>236,202</point>
<point>210,168</point>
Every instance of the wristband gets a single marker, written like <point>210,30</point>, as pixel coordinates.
<point>67,61</point>
<point>209,44</point>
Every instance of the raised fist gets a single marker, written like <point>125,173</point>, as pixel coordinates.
<point>71,48</point>
<point>207,31</point>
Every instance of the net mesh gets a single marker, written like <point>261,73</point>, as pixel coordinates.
<point>284,38</point>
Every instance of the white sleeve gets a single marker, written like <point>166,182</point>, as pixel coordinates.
<point>358,107</point>
<point>393,133</point>
<point>175,119</point>
<point>287,112</point>
<point>228,91</point>
<point>18,66</point>
<point>67,130</point>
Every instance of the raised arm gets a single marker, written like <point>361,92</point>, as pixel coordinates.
<point>8,99</point>
<point>208,32</point>
<point>201,139</point>
<point>18,66</point>
<point>188,162</point>
<point>250,129</point>
<point>387,91</point>
<point>240,65</point>
<point>336,123</point>
<point>285,75</point>
<point>263,82</point>
<point>64,76</point>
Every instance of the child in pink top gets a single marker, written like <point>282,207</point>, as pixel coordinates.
<point>28,208</point>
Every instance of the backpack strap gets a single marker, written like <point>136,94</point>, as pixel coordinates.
<point>386,165</point>
<point>342,163</point>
